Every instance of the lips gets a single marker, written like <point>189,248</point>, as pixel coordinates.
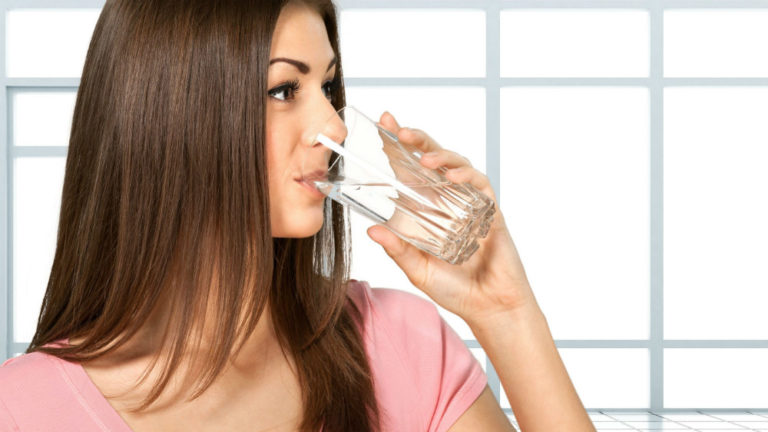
<point>319,174</point>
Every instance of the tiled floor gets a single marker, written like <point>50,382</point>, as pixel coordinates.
<point>696,420</point>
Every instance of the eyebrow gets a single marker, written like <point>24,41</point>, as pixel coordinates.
<point>301,66</point>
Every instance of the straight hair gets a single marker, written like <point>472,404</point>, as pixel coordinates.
<point>165,197</point>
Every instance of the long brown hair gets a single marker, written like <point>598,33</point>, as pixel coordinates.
<point>165,189</point>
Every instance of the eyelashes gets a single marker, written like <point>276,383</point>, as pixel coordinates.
<point>287,91</point>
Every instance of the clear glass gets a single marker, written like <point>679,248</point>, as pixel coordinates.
<point>378,176</point>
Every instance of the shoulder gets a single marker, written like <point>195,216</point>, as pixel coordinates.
<point>19,374</point>
<point>394,305</point>
<point>426,376</point>
<point>409,325</point>
<point>27,383</point>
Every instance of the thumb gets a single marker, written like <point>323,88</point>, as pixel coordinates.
<point>410,259</point>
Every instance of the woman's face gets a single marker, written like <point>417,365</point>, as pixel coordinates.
<point>300,80</point>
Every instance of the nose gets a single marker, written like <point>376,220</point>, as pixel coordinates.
<point>326,120</point>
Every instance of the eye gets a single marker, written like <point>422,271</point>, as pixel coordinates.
<point>329,87</point>
<point>286,91</point>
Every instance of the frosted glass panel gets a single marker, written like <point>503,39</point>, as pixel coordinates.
<point>453,116</point>
<point>48,42</point>
<point>715,378</point>
<point>370,263</point>
<point>575,195</point>
<point>715,43</point>
<point>607,378</point>
<point>715,213</point>
<point>42,118</point>
<point>37,184</point>
<point>574,43</point>
<point>413,43</point>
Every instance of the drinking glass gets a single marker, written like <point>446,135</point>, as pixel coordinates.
<point>381,178</point>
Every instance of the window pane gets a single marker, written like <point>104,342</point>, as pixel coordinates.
<point>37,184</point>
<point>453,116</point>
<point>607,378</point>
<point>573,43</point>
<point>48,42</point>
<point>413,43</point>
<point>575,195</point>
<point>715,43</point>
<point>715,378</point>
<point>370,263</point>
<point>42,118</point>
<point>715,213</point>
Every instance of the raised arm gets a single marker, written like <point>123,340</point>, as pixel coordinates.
<point>490,291</point>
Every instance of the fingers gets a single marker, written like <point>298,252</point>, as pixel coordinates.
<point>446,158</point>
<point>460,169</point>
<point>467,174</point>
<point>415,137</point>
<point>418,138</point>
<point>388,122</point>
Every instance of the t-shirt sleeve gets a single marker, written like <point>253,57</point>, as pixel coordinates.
<point>440,371</point>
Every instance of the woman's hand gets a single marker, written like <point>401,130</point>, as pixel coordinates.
<point>492,280</point>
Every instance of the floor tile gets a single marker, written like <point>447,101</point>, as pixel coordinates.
<point>648,417</point>
<point>710,425</point>
<point>601,426</point>
<point>689,417</point>
<point>599,417</point>
<point>753,425</point>
<point>657,425</point>
<point>738,417</point>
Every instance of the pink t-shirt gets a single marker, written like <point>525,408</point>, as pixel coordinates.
<point>424,375</point>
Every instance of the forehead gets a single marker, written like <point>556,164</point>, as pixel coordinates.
<point>300,33</point>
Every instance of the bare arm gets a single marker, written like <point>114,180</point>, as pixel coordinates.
<point>523,352</point>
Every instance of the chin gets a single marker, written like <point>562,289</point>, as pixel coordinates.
<point>299,227</point>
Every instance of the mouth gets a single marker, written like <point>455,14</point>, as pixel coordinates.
<point>319,174</point>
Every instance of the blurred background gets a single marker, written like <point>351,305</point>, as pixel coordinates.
<point>627,141</point>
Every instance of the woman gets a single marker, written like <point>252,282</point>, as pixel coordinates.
<point>197,285</point>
